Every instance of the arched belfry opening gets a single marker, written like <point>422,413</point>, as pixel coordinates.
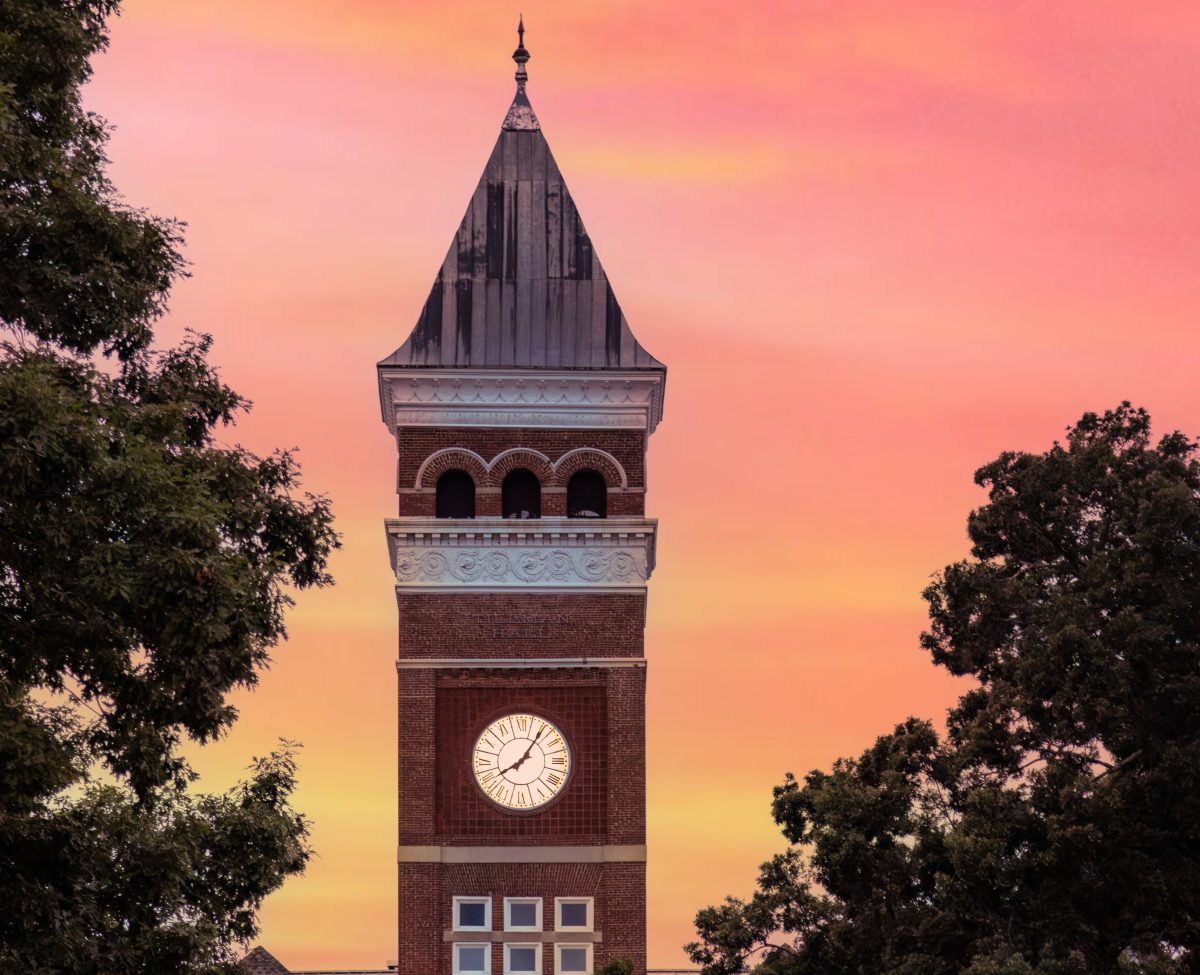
<point>455,495</point>
<point>587,495</point>
<point>521,495</point>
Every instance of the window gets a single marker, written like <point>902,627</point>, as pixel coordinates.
<point>522,914</point>
<point>587,495</point>
<point>455,495</point>
<point>473,958</point>
<point>521,495</point>
<point>472,914</point>
<point>522,959</point>
<point>572,959</point>
<point>572,914</point>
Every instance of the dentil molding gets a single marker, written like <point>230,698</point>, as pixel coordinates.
<point>501,554</point>
<point>630,399</point>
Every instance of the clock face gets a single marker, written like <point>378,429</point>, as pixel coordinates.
<point>521,761</point>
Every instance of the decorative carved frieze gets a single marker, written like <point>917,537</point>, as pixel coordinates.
<point>502,554</point>
<point>514,398</point>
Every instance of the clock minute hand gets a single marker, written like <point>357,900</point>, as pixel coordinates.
<point>528,751</point>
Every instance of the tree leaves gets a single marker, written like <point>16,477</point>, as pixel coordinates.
<point>81,269</point>
<point>1056,827</point>
<point>105,884</point>
<point>145,566</point>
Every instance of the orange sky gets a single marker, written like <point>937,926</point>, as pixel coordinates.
<point>875,242</point>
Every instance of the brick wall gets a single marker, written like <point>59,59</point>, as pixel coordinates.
<point>415,444</point>
<point>423,503</point>
<point>519,624</point>
<point>627,755</point>
<point>418,444</point>
<point>421,922</point>
<point>426,905</point>
<point>416,765</point>
<point>467,701</point>
<point>601,711</point>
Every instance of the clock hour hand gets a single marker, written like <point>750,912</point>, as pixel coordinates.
<point>528,751</point>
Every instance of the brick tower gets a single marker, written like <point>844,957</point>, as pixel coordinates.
<point>521,405</point>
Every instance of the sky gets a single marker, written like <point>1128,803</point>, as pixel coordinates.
<point>876,243</point>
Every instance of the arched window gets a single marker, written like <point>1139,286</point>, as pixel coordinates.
<point>521,495</point>
<point>587,495</point>
<point>455,495</point>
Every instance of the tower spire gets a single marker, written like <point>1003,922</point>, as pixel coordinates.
<point>520,113</point>
<point>520,55</point>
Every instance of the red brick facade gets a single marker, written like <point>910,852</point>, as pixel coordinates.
<point>524,625</point>
<point>488,453</point>
<point>469,703</point>
<point>442,709</point>
<point>427,892</point>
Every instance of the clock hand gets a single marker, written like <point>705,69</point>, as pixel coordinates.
<point>528,751</point>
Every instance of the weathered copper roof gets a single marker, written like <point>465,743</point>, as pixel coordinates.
<point>521,285</point>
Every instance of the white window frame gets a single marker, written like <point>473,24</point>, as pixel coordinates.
<point>536,901</point>
<point>487,957</point>
<point>591,915</point>
<point>537,954</point>
<point>560,945</point>
<point>487,914</point>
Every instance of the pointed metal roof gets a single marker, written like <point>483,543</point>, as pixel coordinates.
<point>521,285</point>
<point>262,962</point>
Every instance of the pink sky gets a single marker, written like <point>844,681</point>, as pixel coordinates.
<point>875,242</point>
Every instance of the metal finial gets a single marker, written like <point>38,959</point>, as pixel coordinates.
<point>520,55</point>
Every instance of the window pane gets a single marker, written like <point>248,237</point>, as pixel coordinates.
<point>471,915</point>
<point>522,915</point>
<point>522,959</point>
<point>573,959</point>
<point>574,915</point>
<point>472,958</point>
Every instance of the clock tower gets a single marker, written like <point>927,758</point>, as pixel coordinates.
<point>521,405</point>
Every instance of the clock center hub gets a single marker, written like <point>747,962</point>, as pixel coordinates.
<point>523,761</point>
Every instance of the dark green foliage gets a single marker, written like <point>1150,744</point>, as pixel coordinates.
<point>79,268</point>
<point>105,884</point>
<point>1055,829</point>
<point>144,566</point>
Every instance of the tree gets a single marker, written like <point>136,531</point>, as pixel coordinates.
<point>145,567</point>
<point>1055,827</point>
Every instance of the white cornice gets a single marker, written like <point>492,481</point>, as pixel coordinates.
<point>623,399</point>
<point>506,555</point>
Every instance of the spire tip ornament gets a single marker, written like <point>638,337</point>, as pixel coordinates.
<point>520,113</point>
<point>520,55</point>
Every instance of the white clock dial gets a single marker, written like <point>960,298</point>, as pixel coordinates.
<point>521,761</point>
